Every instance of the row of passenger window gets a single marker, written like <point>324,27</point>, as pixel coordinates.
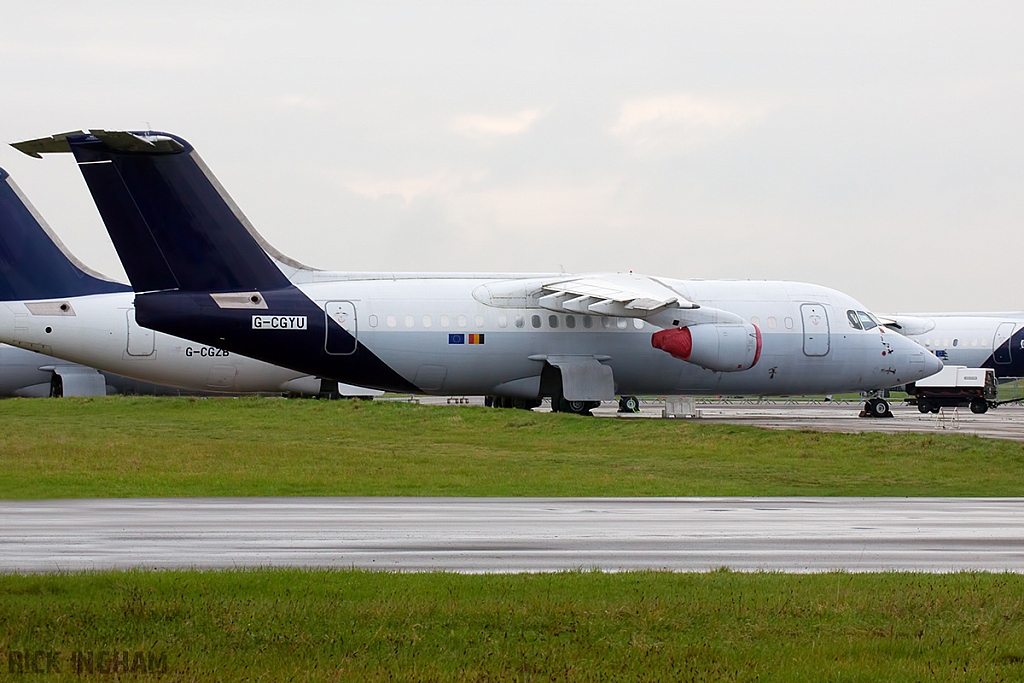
<point>772,322</point>
<point>551,321</point>
<point>944,343</point>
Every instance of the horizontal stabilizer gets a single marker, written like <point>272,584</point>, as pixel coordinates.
<point>54,144</point>
<point>122,141</point>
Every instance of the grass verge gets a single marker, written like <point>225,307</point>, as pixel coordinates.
<point>132,447</point>
<point>576,626</point>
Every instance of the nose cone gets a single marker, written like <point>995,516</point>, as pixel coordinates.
<point>932,364</point>
<point>913,362</point>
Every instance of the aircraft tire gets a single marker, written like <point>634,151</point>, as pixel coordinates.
<point>629,404</point>
<point>979,406</point>
<point>878,407</point>
<point>574,407</point>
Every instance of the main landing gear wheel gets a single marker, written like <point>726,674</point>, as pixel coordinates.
<point>629,404</point>
<point>506,402</point>
<point>574,407</point>
<point>979,406</point>
<point>877,407</point>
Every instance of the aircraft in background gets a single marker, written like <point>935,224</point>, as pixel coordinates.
<point>29,374</point>
<point>976,340</point>
<point>57,306</point>
<point>202,272</point>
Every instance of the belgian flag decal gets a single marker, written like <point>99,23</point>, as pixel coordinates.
<point>465,339</point>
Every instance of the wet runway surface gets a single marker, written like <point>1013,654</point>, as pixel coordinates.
<point>513,535</point>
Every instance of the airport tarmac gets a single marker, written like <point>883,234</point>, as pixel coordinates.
<point>1005,422</point>
<point>496,535</point>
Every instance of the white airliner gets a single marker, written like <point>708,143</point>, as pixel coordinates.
<point>977,340</point>
<point>55,305</point>
<point>201,272</point>
<point>28,374</point>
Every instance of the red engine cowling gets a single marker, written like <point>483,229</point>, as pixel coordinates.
<point>723,348</point>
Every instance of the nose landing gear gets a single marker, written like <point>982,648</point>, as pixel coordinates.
<point>876,407</point>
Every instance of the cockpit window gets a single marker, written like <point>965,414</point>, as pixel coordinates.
<point>867,320</point>
<point>854,322</point>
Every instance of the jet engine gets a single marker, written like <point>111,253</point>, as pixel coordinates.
<point>722,348</point>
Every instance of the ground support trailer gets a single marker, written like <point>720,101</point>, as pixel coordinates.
<point>954,386</point>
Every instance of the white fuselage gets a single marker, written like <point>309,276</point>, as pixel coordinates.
<point>409,324</point>
<point>421,329</point>
<point>100,331</point>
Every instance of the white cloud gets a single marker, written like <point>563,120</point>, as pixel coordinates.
<point>673,123</point>
<point>481,126</point>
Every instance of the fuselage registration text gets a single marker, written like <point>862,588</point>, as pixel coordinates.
<point>279,322</point>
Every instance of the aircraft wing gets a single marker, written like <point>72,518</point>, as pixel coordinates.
<point>619,294</point>
<point>626,295</point>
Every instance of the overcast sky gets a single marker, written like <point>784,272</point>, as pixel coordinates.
<point>874,147</point>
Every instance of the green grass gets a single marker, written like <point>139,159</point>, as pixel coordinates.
<point>1010,389</point>
<point>131,447</point>
<point>578,626</point>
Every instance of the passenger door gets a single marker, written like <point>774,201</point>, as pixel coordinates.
<point>343,314</point>
<point>1000,353</point>
<point>816,331</point>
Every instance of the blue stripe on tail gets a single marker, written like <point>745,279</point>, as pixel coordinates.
<point>170,223</point>
<point>32,265</point>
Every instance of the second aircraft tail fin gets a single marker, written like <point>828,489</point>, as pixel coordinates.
<point>34,264</point>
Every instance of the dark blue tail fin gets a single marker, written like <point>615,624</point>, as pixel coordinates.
<point>170,221</point>
<point>33,262</point>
